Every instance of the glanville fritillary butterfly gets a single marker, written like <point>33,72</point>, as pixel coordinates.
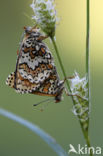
<point>35,71</point>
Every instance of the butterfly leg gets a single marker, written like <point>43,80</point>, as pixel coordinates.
<point>70,94</point>
<point>70,77</point>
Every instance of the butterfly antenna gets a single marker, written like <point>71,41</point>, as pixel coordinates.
<point>25,14</point>
<point>42,102</point>
<point>44,105</point>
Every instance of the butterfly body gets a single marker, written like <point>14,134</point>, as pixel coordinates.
<point>35,71</point>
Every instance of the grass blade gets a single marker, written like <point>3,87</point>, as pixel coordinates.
<point>34,128</point>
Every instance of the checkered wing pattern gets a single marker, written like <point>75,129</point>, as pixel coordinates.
<point>35,70</point>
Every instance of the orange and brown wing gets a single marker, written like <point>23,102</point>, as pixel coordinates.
<point>35,70</point>
<point>49,87</point>
<point>22,85</point>
<point>35,61</point>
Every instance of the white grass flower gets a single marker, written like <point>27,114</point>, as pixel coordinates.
<point>45,15</point>
<point>79,86</point>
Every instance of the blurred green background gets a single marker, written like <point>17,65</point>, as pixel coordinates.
<point>57,119</point>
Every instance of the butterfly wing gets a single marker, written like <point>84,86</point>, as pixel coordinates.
<point>34,67</point>
<point>36,62</point>
<point>22,85</point>
<point>51,87</point>
<point>10,80</point>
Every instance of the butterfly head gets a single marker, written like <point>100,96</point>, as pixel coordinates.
<point>35,33</point>
<point>29,30</point>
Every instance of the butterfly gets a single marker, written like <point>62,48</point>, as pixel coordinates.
<point>35,71</point>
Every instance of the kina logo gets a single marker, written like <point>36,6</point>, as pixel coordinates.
<point>80,150</point>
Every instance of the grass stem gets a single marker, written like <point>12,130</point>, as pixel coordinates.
<point>34,128</point>
<point>85,133</point>
<point>88,51</point>
<point>60,61</point>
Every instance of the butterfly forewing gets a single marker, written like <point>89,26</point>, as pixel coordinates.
<point>35,63</point>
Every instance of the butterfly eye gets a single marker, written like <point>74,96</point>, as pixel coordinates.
<point>27,30</point>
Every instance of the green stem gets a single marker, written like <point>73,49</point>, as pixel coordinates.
<point>86,137</point>
<point>88,66</point>
<point>85,133</point>
<point>60,61</point>
<point>88,51</point>
<point>35,129</point>
<point>87,37</point>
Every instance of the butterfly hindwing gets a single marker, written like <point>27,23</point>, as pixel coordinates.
<point>24,85</point>
<point>10,80</point>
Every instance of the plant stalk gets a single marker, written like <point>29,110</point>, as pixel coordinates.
<point>35,129</point>
<point>88,38</point>
<point>85,134</point>
<point>87,139</point>
<point>88,50</point>
<point>60,61</point>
